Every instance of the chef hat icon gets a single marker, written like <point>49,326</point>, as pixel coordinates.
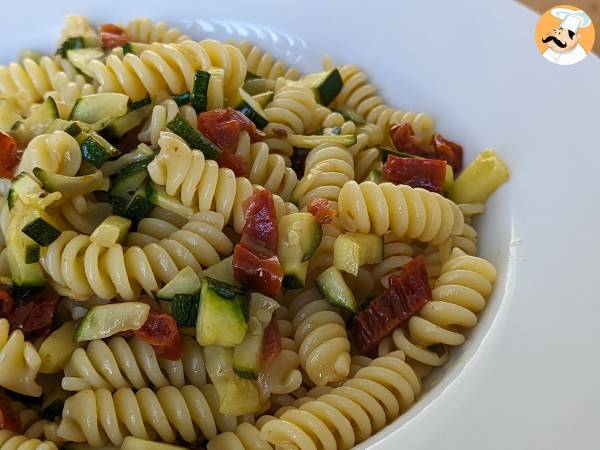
<point>571,20</point>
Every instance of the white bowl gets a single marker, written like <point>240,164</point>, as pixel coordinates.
<point>528,376</point>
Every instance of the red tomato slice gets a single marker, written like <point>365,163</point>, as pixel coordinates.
<point>6,302</point>
<point>113,36</point>
<point>419,173</point>
<point>10,156</point>
<point>257,272</point>
<point>322,210</point>
<point>160,331</point>
<point>407,293</point>
<point>9,418</point>
<point>271,341</point>
<point>261,219</point>
<point>449,151</point>
<point>223,127</point>
<point>233,162</point>
<point>35,313</point>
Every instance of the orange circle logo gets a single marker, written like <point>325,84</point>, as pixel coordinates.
<point>565,35</point>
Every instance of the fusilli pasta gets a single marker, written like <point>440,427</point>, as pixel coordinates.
<point>415,213</point>
<point>20,362</point>
<point>263,64</point>
<point>119,363</point>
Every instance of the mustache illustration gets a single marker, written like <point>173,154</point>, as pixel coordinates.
<point>556,41</point>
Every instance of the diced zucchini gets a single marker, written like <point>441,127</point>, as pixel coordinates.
<point>41,231</point>
<point>37,122</point>
<point>70,44</point>
<point>135,47</point>
<point>200,92</point>
<point>130,178</point>
<point>12,198</point>
<point>245,104</point>
<point>100,108</point>
<point>262,307</point>
<point>257,86</point>
<point>264,98</point>
<point>352,250</point>
<point>159,197</point>
<point>133,106</point>
<point>142,152</point>
<point>479,179</point>
<point>123,124</point>
<point>374,176</point>
<point>31,193</point>
<point>222,271</point>
<point>185,282</point>
<point>299,237</point>
<point>326,85</point>
<point>111,231</point>
<point>250,76</point>
<point>69,186</point>
<point>22,253</point>
<point>97,150</point>
<point>237,395</point>
<point>222,316</point>
<point>333,287</point>
<point>135,207</point>
<point>350,114</point>
<point>184,309</point>
<point>183,99</point>
<point>312,141</point>
<point>248,354</point>
<point>193,137</point>
<point>56,349</point>
<point>107,320</point>
<point>81,57</point>
<point>71,128</point>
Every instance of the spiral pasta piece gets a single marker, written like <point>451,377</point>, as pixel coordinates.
<point>349,414</point>
<point>117,363</point>
<point>267,169</point>
<point>262,63</point>
<point>245,437</point>
<point>98,417</point>
<point>57,152</point>
<point>320,333</point>
<point>406,211</point>
<point>13,441</point>
<point>143,29</point>
<point>20,362</point>
<point>292,111</point>
<point>80,268</point>
<point>396,254</point>
<point>328,168</point>
<point>30,82</point>
<point>169,68</point>
<point>459,293</point>
<point>357,94</point>
<point>161,115</point>
<point>201,183</point>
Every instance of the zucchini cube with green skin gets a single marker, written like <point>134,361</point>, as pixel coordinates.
<point>479,179</point>
<point>249,107</point>
<point>111,231</point>
<point>333,287</point>
<point>107,320</point>
<point>326,85</point>
<point>222,315</point>
<point>31,193</point>
<point>299,237</point>
<point>247,355</point>
<point>185,282</point>
<point>193,137</point>
<point>352,250</point>
<point>97,150</point>
<point>41,231</point>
